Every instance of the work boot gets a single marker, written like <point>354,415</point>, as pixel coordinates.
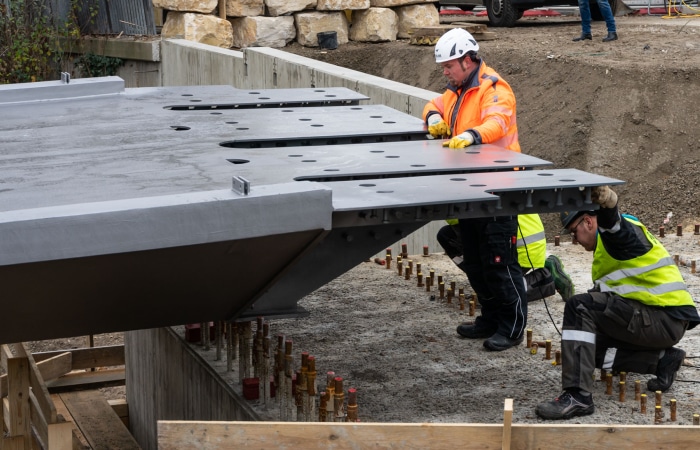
<point>562,281</point>
<point>612,36</point>
<point>569,404</point>
<point>584,36</point>
<point>498,342</point>
<point>474,331</point>
<point>666,370</point>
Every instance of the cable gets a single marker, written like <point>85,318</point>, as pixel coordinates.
<point>539,288</point>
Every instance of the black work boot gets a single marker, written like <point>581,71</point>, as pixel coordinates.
<point>498,342</point>
<point>584,36</point>
<point>666,370</point>
<point>569,404</point>
<point>612,36</point>
<point>474,331</point>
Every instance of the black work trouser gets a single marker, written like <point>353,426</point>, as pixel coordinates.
<point>489,249</point>
<point>607,331</point>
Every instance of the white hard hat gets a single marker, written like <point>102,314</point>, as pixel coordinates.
<point>454,44</point>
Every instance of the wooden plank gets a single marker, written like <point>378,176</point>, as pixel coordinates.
<point>89,358</point>
<point>439,30</point>
<point>40,426</point>
<point>36,381</point>
<point>341,436</point>
<point>79,441</point>
<point>56,366</point>
<point>97,421</point>
<point>18,418</point>
<point>12,443</point>
<point>50,369</point>
<point>323,435</point>
<point>88,380</point>
<point>61,436</point>
<point>121,409</point>
<point>507,422</point>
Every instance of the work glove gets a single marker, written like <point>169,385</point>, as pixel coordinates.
<point>460,141</point>
<point>437,127</point>
<point>604,196</point>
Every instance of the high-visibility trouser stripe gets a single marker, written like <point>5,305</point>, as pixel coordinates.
<point>578,335</point>
<point>609,358</point>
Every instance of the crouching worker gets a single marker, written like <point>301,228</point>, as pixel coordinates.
<point>638,309</point>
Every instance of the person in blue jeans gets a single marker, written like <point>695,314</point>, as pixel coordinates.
<point>606,11</point>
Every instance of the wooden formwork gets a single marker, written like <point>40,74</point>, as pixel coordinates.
<point>45,404</point>
<point>174,435</point>
<point>28,414</point>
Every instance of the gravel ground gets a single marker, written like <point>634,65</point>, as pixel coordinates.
<point>398,347</point>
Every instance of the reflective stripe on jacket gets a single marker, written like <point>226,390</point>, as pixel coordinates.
<point>652,278</point>
<point>485,106</point>
<point>531,233</point>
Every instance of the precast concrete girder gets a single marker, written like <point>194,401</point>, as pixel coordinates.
<point>123,209</point>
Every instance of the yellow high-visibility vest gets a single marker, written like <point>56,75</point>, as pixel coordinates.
<point>652,278</point>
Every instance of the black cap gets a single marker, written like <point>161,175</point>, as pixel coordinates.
<point>567,217</point>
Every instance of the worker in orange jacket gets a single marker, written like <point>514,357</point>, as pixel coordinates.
<point>479,107</point>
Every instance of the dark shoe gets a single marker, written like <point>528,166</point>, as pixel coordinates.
<point>498,342</point>
<point>569,404</point>
<point>584,37</point>
<point>474,331</point>
<point>562,281</point>
<point>666,370</point>
<point>610,37</point>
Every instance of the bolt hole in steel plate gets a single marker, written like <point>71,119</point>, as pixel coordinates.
<point>567,180</point>
<point>376,151</point>
<point>238,161</point>
<point>179,127</point>
<point>392,156</point>
<point>417,165</point>
<point>187,95</point>
<point>367,185</point>
<point>254,93</point>
<point>215,113</point>
<point>308,160</point>
<point>232,123</point>
<point>263,98</point>
<point>545,174</point>
<point>458,179</point>
<point>287,110</point>
<point>330,95</point>
<point>316,125</point>
<point>305,120</point>
<point>331,170</point>
<point>388,121</point>
<point>295,156</point>
<point>385,192</point>
<point>195,100</point>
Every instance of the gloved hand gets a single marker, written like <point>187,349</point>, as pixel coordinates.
<point>437,127</point>
<point>460,141</point>
<point>604,196</point>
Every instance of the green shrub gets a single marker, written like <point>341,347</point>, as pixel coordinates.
<point>29,40</point>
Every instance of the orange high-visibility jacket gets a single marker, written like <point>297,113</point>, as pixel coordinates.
<point>486,106</point>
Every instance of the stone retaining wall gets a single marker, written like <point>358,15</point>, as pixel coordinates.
<point>276,23</point>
